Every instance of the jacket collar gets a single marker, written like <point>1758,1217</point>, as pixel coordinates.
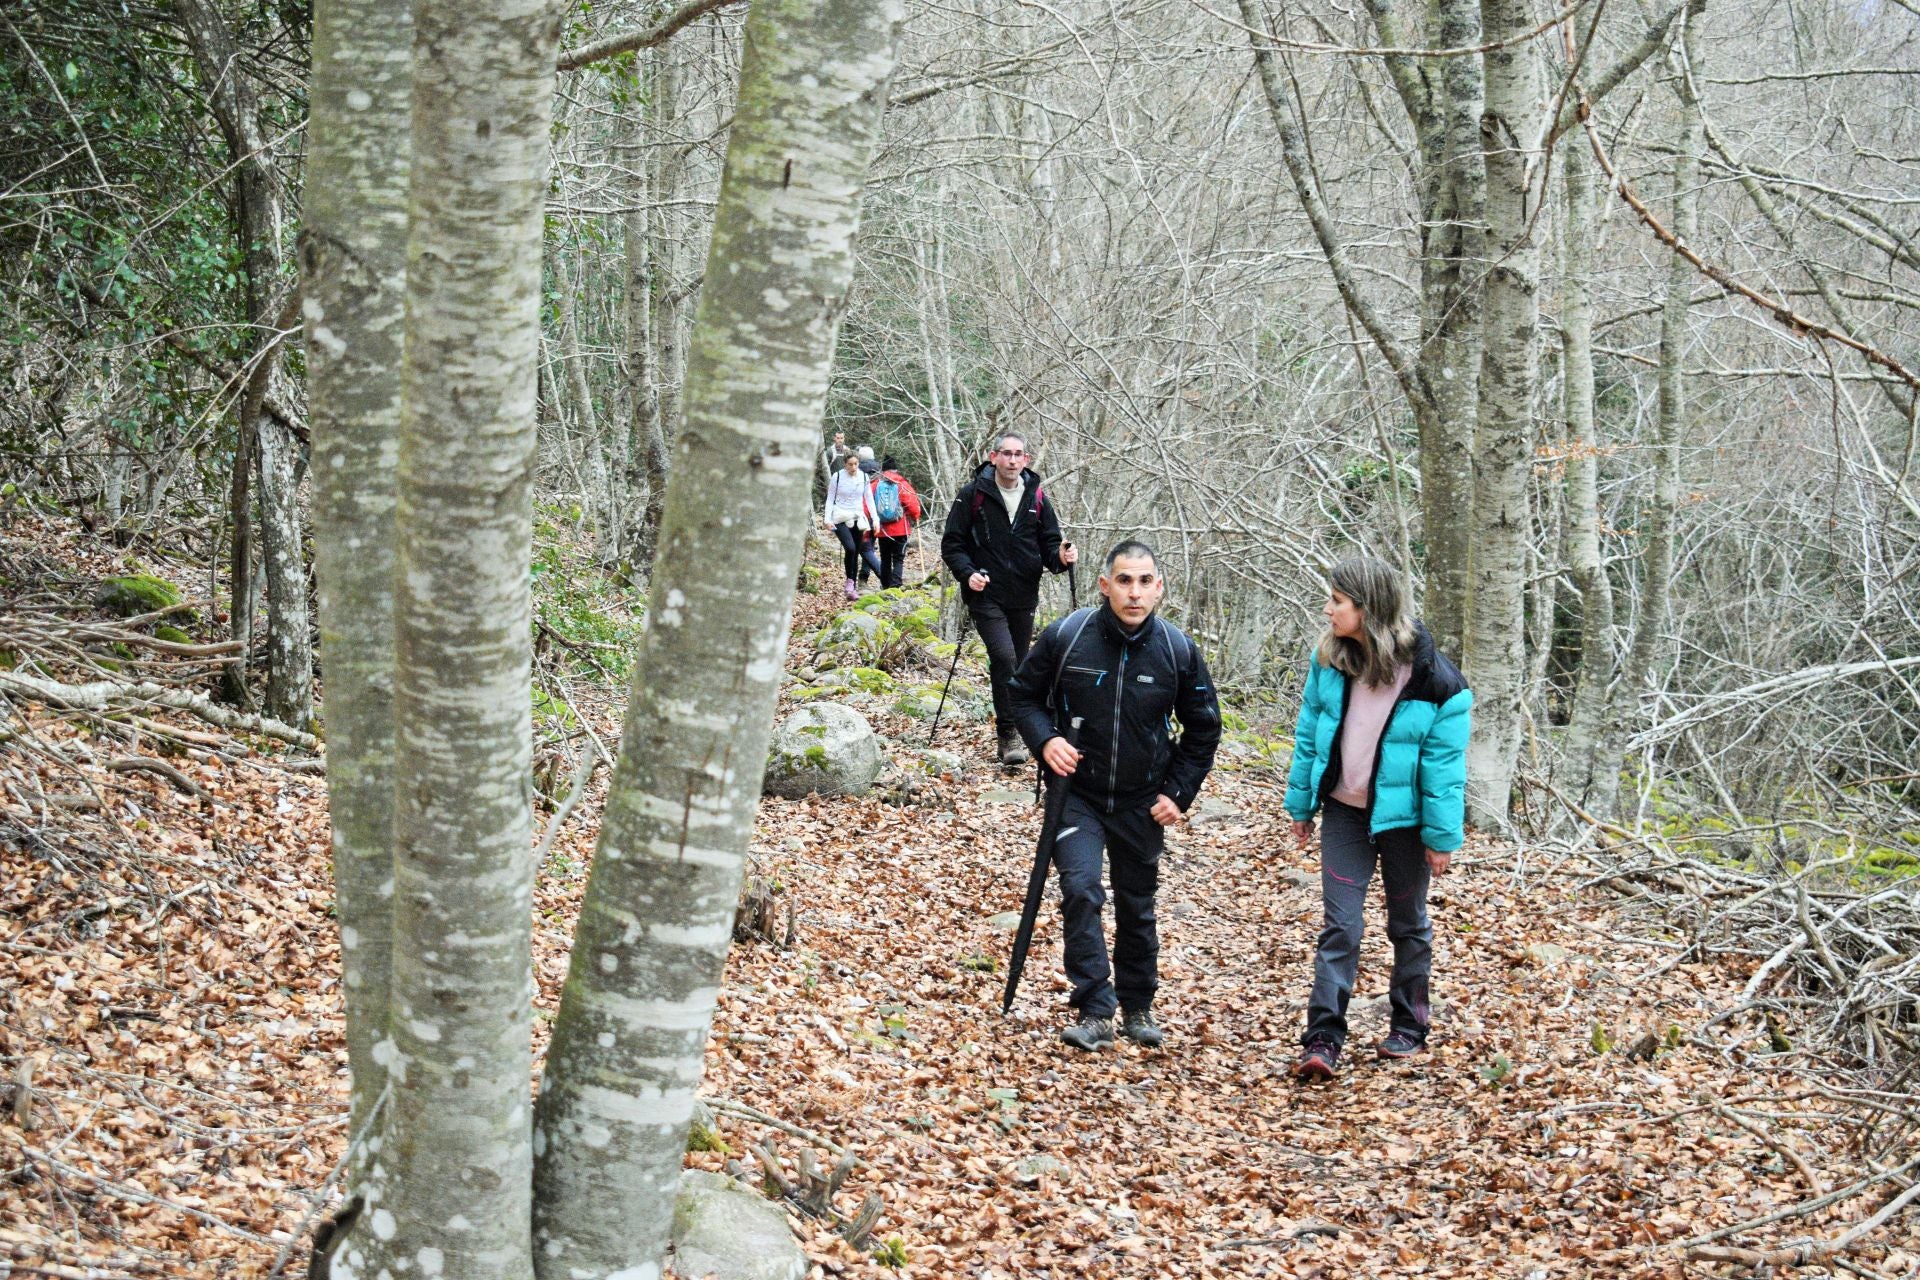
<point>1110,625</point>
<point>984,478</point>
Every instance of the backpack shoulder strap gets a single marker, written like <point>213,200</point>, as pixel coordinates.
<point>1077,620</point>
<point>1167,632</point>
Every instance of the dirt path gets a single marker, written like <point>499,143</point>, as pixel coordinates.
<point>188,1070</point>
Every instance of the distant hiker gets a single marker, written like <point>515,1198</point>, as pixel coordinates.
<point>1001,534</point>
<point>896,510</point>
<point>869,468</point>
<point>837,451</point>
<point>1124,671</point>
<point>849,514</point>
<point>1381,747</point>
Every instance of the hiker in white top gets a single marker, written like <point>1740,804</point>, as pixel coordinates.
<point>850,517</point>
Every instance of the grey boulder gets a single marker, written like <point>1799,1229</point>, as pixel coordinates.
<point>722,1229</point>
<point>825,748</point>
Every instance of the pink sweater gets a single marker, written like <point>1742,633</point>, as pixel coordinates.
<point>1367,711</point>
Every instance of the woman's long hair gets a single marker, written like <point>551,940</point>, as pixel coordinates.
<point>1386,625</point>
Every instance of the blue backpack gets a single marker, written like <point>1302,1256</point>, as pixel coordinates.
<point>886,500</point>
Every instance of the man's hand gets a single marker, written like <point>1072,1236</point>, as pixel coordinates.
<point>1060,756</point>
<point>1166,812</point>
<point>1068,553</point>
<point>1303,833</point>
<point>978,582</point>
<point>1438,862</point>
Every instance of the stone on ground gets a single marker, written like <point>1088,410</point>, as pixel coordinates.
<point>722,1229</point>
<point>824,748</point>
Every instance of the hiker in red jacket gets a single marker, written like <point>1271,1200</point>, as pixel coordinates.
<point>898,509</point>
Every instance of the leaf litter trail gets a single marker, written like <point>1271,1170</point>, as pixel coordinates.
<point>186,1096</point>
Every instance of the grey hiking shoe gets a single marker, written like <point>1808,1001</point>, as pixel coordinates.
<point>1138,1026</point>
<point>1401,1044</point>
<point>1013,751</point>
<point>1089,1033</point>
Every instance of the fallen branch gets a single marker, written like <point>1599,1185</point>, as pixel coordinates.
<point>1800,1255</point>
<point>98,695</point>
<point>147,764</point>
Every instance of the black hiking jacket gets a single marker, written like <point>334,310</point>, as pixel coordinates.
<point>1127,689</point>
<point>1013,555</point>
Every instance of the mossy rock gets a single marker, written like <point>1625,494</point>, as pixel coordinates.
<point>138,593</point>
<point>1891,862</point>
<point>171,634</point>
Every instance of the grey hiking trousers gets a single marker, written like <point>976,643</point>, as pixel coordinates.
<point>1347,858</point>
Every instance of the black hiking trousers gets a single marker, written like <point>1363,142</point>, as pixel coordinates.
<point>1131,842</point>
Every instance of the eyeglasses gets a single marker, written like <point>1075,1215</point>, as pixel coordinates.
<point>1013,453</point>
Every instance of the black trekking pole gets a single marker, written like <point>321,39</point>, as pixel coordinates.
<point>958,644</point>
<point>1073,585</point>
<point>1037,880</point>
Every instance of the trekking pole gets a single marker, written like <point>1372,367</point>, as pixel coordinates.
<point>958,643</point>
<point>1073,585</point>
<point>1037,879</point>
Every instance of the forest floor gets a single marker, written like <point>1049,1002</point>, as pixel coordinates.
<point>175,1072</point>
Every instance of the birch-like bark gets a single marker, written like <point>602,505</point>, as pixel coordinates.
<point>1593,774</point>
<point>1503,445</point>
<point>652,938</point>
<point>450,1189</point>
<point>354,266</point>
<point>1669,428</point>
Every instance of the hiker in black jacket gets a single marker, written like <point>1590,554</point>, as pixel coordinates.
<point>1126,673</point>
<point>1001,534</point>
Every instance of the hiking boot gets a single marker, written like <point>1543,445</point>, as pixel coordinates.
<point>853,592</point>
<point>1013,752</point>
<point>1138,1026</point>
<point>1089,1033</point>
<point>1400,1044</point>
<point>1317,1061</point>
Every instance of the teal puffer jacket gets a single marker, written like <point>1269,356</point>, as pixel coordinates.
<point>1420,773</point>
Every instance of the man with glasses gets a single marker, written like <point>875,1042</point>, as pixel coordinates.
<point>1002,533</point>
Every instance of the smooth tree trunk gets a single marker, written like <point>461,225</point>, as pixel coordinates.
<point>1503,444</point>
<point>450,1191</point>
<point>668,167</point>
<point>354,265</point>
<point>1446,413</point>
<point>645,449</point>
<point>267,453</point>
<point>1592,778</point>
<point>652,937</point>
<point>1650,635</point>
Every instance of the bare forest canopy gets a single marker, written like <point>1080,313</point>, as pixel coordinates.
<point>1602,320</point>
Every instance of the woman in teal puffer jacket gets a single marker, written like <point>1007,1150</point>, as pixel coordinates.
<point>1380,750</point>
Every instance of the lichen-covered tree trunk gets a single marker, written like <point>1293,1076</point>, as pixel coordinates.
<point>354,261</point>
<point>652,937</point>
<point>283,558</point>
<point>1503,445</point>
<point>1592,778</point>
<point>450,1190</point>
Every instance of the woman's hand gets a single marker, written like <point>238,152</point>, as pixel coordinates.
<point>1303,833</point>
<point>1438,862</point>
